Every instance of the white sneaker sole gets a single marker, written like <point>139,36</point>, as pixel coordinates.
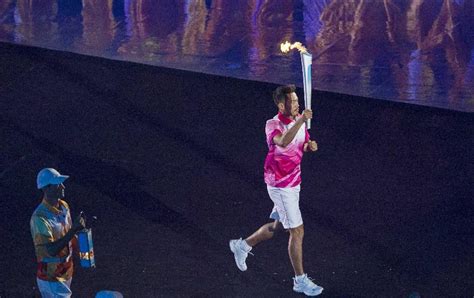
<point>315,293</point>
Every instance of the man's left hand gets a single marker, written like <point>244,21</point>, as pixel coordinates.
<point>312,146</point>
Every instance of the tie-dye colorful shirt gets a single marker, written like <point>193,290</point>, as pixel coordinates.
<point>48,224</point>
<point>283,164</point>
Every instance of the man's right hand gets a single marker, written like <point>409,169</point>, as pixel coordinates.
<point>307,114</point>
<point>78,224</point>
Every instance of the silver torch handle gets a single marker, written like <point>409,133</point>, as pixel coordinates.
<point>306,62</point>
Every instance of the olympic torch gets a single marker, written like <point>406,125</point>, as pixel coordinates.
<point>306,62</point>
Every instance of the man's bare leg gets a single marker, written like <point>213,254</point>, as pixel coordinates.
<point>295,249</point>
<point>301,282</point>
<point>265,232</point>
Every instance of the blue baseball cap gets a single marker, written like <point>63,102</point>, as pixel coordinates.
<point>49,176</point>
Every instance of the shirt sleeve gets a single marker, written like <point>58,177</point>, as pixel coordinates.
<point>272,129</point>
<point>42,234</point>
<point>41,231</point>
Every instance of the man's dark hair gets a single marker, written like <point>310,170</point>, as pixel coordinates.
<point>282,93</point>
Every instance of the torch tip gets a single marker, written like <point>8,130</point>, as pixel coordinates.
<point>287,46</point>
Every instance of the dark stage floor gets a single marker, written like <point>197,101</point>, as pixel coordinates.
<point>171,164</point>
<point>414,51</point>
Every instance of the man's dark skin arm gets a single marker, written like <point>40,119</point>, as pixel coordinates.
<point>55,247</point>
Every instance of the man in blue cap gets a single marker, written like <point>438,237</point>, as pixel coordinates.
<point>53,232</point>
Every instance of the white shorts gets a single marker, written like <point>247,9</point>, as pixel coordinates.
<point>51,289</point>
<point>286,207</point>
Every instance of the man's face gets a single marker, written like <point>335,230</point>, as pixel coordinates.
<point>55,191</point>
<point>292,108</point>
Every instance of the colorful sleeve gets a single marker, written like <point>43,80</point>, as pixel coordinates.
<point>42,234</point>
<point>307,136</point>
<point>271,130</point>
<point>41,231</point>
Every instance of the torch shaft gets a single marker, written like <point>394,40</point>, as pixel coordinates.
<point>306,62</point>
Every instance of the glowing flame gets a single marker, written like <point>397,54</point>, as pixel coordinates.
<point>287,46</point>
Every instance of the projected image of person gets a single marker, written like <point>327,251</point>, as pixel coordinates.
<point>287,139</point>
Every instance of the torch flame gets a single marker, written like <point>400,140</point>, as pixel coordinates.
<point>287,46</point>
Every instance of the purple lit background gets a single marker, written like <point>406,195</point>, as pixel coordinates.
<point>413,51</point>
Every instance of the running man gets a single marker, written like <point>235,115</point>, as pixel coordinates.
<point>287,139</point>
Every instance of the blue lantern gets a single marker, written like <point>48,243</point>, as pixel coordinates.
<point>86,248</point>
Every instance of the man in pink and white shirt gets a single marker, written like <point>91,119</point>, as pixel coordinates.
<point>287,139</point>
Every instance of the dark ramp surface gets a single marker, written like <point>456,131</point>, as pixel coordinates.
<point>171,162</point>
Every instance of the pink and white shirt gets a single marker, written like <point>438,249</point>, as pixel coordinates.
<point>283,164</point>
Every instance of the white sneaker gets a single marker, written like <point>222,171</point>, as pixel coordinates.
<point>307,286</point>
<point>240,254</point>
